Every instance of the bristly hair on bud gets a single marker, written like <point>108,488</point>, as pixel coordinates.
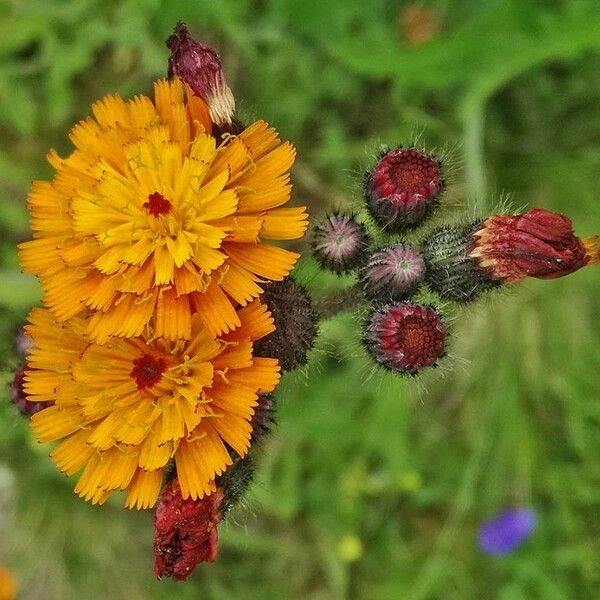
<point>403,188</point>
<point>263,417</point>
<point>463,262</point>
<point>450,271</point>
<point>236,481</point>
<point>200,67</point>
<point>392,273</point>
<point>339,242</point>
<point>405,338</point>
<point>296,324</point>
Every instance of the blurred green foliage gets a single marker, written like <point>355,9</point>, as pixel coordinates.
<point>372,487</point>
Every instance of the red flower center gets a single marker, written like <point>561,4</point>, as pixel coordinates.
<point>157,204</point>
<point>418,340</point>
<point>406,337</point>
<point>413,172</point>
<point>147,370</point>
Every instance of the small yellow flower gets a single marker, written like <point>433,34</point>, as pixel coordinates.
<point>124,409</point>
<point>150,219</point>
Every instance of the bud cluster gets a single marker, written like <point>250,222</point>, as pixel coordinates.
<point>457,262</point>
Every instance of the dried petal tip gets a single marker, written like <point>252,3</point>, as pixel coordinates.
<point>507,531</point>
<point>537,243</point>
<point>185,532</point>
<point>405,337</point>
<point>200,67</point>
<point>402,189</point>
<point>339,243</point>
<point>393,273</point>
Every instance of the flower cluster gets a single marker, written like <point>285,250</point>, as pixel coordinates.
<point>152,246</point>
<point>458,263</point>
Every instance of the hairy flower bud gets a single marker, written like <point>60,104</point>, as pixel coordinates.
<point>200,67</point>
<point>263,416</point>
<point>392,273</point>
<point>465,261</point>
<point>185,531</point>
<point>339,243</point>
<point>450,271</point>
<point>537,243</point>
<point>296,324</point>
<point>402,189</point>
<point>405,337</point>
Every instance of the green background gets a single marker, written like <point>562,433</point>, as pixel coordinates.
<point>372,487</point>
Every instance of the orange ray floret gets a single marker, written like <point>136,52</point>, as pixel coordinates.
<point>122,410</point>
<point>150,214</point>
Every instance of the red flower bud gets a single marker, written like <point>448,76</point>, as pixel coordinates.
<point>200,67</point>
<point>405,337</point>
<point>537,243</point>
<point>402,189</point>
<point>185,531</point>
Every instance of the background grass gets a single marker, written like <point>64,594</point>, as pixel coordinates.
<point>372,487</point>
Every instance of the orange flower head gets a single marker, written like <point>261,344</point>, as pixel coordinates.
<point>123,410</point>
<point>151,219</point>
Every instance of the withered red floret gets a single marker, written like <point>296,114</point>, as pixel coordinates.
<point>200,67</point>
<point>185,531</point>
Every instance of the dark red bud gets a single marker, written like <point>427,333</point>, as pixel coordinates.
<point>538,243</point>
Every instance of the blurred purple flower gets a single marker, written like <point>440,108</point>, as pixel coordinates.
<point>507,531</point>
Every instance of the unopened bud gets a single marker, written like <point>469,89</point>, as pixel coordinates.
<point>450,271</point>
<point>392,273</point>
<point>339,243</point>
<point>402,189</point>
<point>462,262</point>
<point>405,338</point>
<point>296,324</point>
